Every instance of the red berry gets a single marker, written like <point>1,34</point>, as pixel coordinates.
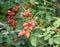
<point>14,27</point>
<point>30,28</point>
<point>11,14</point>
<point>15,10</point>
<point>26,7</point>
<point>31,23</point>
<point>20,34</point>
<point>13,24</point>
<point>17,7</point>
<point>24,32</point>
<point>33,4</point>
<point>25,24</point>
<point>10,17</point>
<point>9,11</point>
<point>3,45</point>
<point>16,21</point>
<point>24,14</point>
<point>29,14</point>
<point>14,39</point>
<point>26,27</point>
<point>27,34</point>
<point>10,21</point>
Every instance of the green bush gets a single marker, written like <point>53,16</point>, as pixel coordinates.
<point>29,23</point>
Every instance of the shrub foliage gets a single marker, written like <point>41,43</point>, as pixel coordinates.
<point>29,23</point>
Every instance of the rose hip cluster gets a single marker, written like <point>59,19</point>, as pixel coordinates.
<point>27,26</point>
<point>28,5</point>
<point>27,14</point>
<point>30,25</point>
<point>24,32</point>
<point>11,14</point>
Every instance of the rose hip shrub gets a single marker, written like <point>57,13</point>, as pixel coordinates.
<point>29,23</point>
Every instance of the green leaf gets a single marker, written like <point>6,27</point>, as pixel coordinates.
<point>36,3</point>
<point>8,28</point>
<point>33,40</point>
<point>5,7</point>
<point>48,17</point>
<point>38,35</point>
<point>47,36</point>
<point>48,31</point>
<point>51,41</point>
<point>1,38</point>
<point>53,0</point>
<point>57,23</point>
<point>32,0</point>
<point>57,40</point>
<point>57,36</point>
